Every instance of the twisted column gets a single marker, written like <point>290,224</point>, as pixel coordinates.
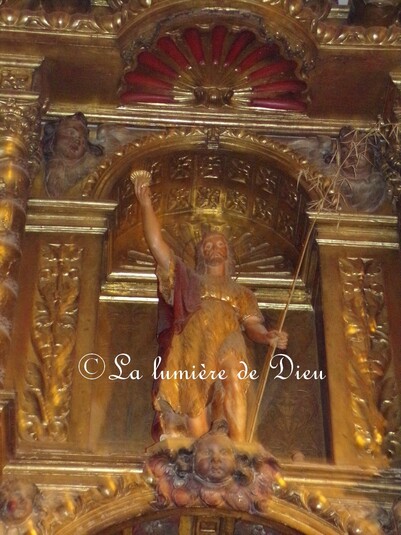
<point>20,109</point>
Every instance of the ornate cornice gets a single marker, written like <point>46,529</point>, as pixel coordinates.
<point>60,23</point>
<point>316,24</point>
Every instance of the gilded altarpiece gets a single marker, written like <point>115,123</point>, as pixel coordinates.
<point>170,79</point>
<point>92,291</point>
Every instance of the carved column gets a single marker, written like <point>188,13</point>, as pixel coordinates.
<point>361,297</point>
<point>19,136</point>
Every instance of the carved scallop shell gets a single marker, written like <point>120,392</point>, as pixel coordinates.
<point>214,68</point>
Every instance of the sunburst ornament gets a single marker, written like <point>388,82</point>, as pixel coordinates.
<point>250,257</point>
<point>215,67</point>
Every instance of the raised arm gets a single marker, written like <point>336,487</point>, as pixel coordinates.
<point>151,226</point>
<point>258,333</point>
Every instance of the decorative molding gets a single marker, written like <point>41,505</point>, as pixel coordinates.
<point>315,22</point>
<point>62,22</point>
<point>344,519</point>
<point>116,497</point>
<point>67,216</point>
<point>45,401</point>
<point>371,373</point>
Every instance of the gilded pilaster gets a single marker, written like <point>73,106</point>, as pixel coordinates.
<point>360,294</point>
<point>56,316</point>
<point>20,107</point>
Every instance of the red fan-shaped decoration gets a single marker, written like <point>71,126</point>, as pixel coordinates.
<point>215,67</point>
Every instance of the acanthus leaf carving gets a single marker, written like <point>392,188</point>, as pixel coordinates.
<point>20,117</point>
<point>375,403</point>
<point>45,408</point>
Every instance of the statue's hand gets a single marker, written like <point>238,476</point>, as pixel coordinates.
<point>278,338</point>
<point>141,180</point>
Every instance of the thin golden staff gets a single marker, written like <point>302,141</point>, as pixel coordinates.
<point>330,188</point>
<point>270,353</point>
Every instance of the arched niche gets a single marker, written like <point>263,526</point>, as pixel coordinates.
<point>257,192</point>
<point>250,186</point>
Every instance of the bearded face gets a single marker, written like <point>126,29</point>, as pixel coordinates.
<point>214,249</point>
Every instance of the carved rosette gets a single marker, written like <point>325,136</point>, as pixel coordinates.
<point>45,403</point>
<point>371,373</point>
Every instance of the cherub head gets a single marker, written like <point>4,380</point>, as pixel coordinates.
<point>68,139</point>
<point>214,456</point>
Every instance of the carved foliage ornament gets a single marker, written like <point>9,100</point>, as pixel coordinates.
<point>371,373</point>
<point>21,118</point>
<point>26,510</point>
<point>47,385</point>
<point>15,79</point>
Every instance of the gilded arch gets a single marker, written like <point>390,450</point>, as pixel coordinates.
<point>296,512</point>
<point>100,183</point>
<point>264,183</point>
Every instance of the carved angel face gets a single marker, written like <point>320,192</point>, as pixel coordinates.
<point>214,458</point>
<point>71,140</point>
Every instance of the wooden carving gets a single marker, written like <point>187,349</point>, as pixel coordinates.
<point>214,67</point>
<point>45,405</point>
<point>370,366</point>
<point>213,471</point>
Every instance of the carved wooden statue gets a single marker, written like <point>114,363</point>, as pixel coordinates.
<point>202,317</point>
